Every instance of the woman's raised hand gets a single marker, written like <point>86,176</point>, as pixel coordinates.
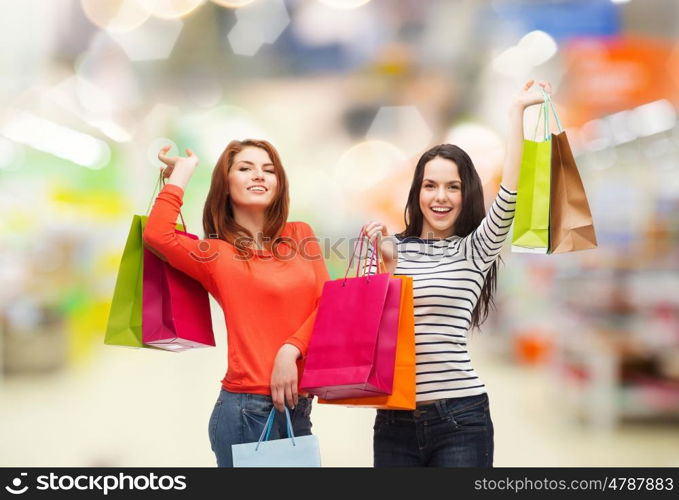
<point>529,94</point>
<point>190,161</point>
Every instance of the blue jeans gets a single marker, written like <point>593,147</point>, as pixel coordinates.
<point>240,418</point>
<point>455,432</point>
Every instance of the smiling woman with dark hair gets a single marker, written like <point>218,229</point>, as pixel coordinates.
<point>267,289</point>
<point>450,247</point>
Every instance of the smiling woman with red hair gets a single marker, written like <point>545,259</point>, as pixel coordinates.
<point>267,274</point>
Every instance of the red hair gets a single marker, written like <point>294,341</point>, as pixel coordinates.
<point>218,218</point>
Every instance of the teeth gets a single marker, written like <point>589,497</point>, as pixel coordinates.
<point>441,210</point>
<point>260,189</point>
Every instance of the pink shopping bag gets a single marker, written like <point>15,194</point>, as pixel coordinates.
<point>352,351</point>
<point>176,308</point>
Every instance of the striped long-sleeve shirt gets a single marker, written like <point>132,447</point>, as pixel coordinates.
<point>448,275</point>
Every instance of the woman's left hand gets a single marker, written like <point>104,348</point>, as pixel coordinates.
<point>284,377</point>
<point>530,94</point>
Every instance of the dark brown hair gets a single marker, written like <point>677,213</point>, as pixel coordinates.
<point>471,214</point>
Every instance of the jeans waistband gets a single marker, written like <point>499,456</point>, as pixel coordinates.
<point>437,409</point>
<point>263,397</point>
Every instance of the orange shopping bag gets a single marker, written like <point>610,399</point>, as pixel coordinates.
<point>402,396</point>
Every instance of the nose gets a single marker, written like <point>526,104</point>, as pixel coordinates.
<point>441,194</point>
<point>257,175</point>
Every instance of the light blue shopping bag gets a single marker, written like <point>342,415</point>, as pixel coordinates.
<point>293,451</point>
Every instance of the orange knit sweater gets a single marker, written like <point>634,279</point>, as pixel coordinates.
<point>269,303</point>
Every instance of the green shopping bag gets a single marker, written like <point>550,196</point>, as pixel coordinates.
<point>531,218</point>
<point>124,320</point>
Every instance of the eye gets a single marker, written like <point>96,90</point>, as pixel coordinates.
<point>244,168</point>
<point>454,187</point>
<point>269,172</point>
<point>428,186</point>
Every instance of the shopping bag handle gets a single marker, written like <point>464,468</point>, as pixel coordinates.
<point>544,115</point>
<point>353,255</point>
<point>550,103</point>
<point>266,432</point>
<point>375,257</point>
<point>161,183</point>
<point>377,251</point>
<point>545,108</point>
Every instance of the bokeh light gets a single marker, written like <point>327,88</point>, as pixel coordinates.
<point>44,135</point>
<point>257,24</point>
<point>402,125</point>
<point>483,145</point>
<point>233,4</point>
<point>116,16</point>
<point>170,9</point>
<point>344,4</point>
<point>152,41</point>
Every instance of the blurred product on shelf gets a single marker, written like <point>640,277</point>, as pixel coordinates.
<point>33,338</point>
<point>533,347</point>
<point>623,362</point>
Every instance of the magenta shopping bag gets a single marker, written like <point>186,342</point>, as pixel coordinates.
<point>352,351</point>
<point>175,308</point>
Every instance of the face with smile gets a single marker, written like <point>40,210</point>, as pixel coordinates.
<point>252,179</point>
<point>440,198</point>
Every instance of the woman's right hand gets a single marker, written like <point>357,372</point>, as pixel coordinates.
<point>189,161</point>
<point>530,95</point>
<point>185,163</point>
<point>377,230</point>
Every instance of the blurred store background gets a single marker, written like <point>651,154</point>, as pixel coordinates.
<point>581,358</point>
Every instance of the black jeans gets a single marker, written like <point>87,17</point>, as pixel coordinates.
<point>455,432</point>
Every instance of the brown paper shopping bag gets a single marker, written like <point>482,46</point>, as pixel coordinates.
<point>571,227</point>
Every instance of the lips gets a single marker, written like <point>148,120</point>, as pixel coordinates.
<point>440,212</point>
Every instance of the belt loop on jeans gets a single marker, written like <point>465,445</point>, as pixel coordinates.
<point>442,407</point>
<point>417,412</point>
